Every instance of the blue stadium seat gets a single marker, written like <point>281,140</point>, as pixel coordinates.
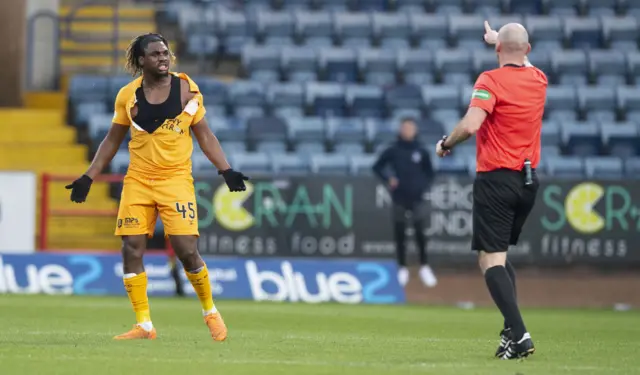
<point>361,165</point>
<point>488,7</point>
<point>604,167</point>
<point>547,150</point>
<point>252,162</point>
<point>429,31</point>
<point>451,165</point>
<point>120,162</point>
<point>261,63</point>
<point>598,103</point>
<point>299,64</point>
<point>365,101</point>
<point>550,133</point>
<point>89,88</point>
<point>275,28</point>
<point>214,91</point>
<point>381,131</point>
<point>248,98</point>
<point>581,139</point>
<point>620,32</point>
<point>196,20</point>
<point>448,7</point>
<point>353,29</point>
<point>454,66</point>
<point>608,67</point>
<point>465,28</point>
<point>633,66</point>
<point>98,125</point>
<point>438,97</point>
<point>377,66</point>
<point>234,31</point>
<point>307,129</point>
<point>391,29</point>
<point>310,148</point>
<point>315,28</point>
<point>404,97</point>
<point>524,6</point>
<point>271,147</point>
<point>571,66</point>
<point>202,45</point>
<point>497,21</point>
<point>561,100</point>
<point>415,66</point>
<point>85,110</point>
<point>540,59</point>
<point>583,32</point>
<point>411,6</point>
<point>430,129</point>
<point>338,64</point>
<point>632,167</point>
<point>561,7</point>
<point>266,129</point>
<point>349,149</point>
<point>621,139</point>
<point>565,166</point>
<point>232,147</point>
<point>601,7</point>
<point>330,164</point>
<point>286,98</point>
<point>345,130</point>
<point>628,100</point>
<point>544,28</point>
<point>227,129</point>
<point>296,4</point>
<point>484,60</point>
<point>335,5</point>
<point>291,164</point>
<point>115,83</point>
<point>325,99</point>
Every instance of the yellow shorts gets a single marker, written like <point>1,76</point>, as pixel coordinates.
<point>142,199</point>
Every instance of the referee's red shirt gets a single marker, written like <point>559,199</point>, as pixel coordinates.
<point>514,99</point>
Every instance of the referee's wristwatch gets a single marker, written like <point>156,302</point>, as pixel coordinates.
<point>442,146</point>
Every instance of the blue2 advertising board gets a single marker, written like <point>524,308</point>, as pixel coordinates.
<point>273,279</point>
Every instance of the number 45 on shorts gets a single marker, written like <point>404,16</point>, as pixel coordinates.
<point>186,210</point>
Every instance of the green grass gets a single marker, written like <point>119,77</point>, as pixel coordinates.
<point>44,335</point>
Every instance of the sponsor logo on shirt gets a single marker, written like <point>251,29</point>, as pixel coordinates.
<point>481,94</point>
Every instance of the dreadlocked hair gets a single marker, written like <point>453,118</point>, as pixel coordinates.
<point>136,50</point>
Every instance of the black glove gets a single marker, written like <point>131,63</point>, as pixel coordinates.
<point>234,179</point>
<point>80,188</point>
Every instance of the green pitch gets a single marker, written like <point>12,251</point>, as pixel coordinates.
<point>44,335</point>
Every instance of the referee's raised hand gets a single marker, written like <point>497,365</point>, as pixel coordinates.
<point>490,35</point>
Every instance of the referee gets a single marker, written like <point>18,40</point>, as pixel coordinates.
<point>506,111</point>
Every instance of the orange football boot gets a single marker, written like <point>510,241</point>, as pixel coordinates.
<point>216,326</point>
<point>137,333</point>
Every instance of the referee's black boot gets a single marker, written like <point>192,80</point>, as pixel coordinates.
<point>505,342</point>
<point>520,349</point>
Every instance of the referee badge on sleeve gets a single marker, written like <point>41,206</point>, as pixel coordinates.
<point>480,94</point>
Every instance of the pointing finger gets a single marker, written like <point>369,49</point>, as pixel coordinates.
<point>487,27</point>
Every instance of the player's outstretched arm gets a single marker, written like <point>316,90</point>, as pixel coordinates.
<point>107,150</point>
<point>213,151</point>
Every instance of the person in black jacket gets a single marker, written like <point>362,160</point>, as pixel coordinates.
<point>406,169</point>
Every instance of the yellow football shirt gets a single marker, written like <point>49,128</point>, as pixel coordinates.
<point>166,152</point>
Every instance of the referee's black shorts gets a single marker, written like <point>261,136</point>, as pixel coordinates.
<point>501,205</point>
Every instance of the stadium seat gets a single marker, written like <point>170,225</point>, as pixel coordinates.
<point>562,8</point>
<point>266,129</point>
<point>604,167</point>
<point>361,165</point>
<point>415,66</point>
<point>628,100</point>
<point>550,133</point>
<point>202,45</point>
<point>115,84</point>
<point>404,97</point>
<point>454,66</point>
<point>314,28</point>
<point>541,60</point>
<point>120,162</point>
<point>271,147</point>
<point>98,125</point>
<point>583,32</point>
<point>497,21</point>
<point>565,166</point>
<point>391,29</point>
<point>233,147</point>
<point>524,6</point>
<point>261,63</point>
<point>570,66</point>
<point>620,32</point>
<point>308,148</point>
<point>381,131</point>
<point>214,91</point>
<point>291,164</point>
<point>487,8</point>
<point>330,164</point>
<point>561,101</point>
<point>349,149</point>
<point>365,101</point>
<point>607,67</point>
<point>299,64</point>
<point>248,98</point>
<point>484,60</point>
<point>601,7</point>
<point>466,28</point>
<point>441,97</point>
<point>286,98</point>
<point>632,167</point>
<point>581,139</point>
<point>89,88</point>
<point>338,64</point>
<point>547,150</point>
<point>448,7</point>
<point>353,29</point>
<point>252,162</point>
<point>84,110</point>
<point>335,5</point>
<point>377,66</point>
<point>325,99</point>
<point>633,66</point>
<point>597,103</point>
<point>621,139</point>
<point>275,28</point>
<point>429,31</point>
<point>234,31</point>
<point>544,28</point>
<point>196,20</point>
<point>345,130</point>
<point>307,129</point>
<point>451,165</point>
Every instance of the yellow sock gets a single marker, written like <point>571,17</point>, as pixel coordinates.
<point>136,287</point>
<point>202,286</point>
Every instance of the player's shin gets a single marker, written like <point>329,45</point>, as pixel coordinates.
<point>136,287</point>
<point>199,278</point>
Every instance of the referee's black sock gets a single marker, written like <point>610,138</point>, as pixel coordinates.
<point>512,275</point>
<point>502,292</point>
<point>399,228</point>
